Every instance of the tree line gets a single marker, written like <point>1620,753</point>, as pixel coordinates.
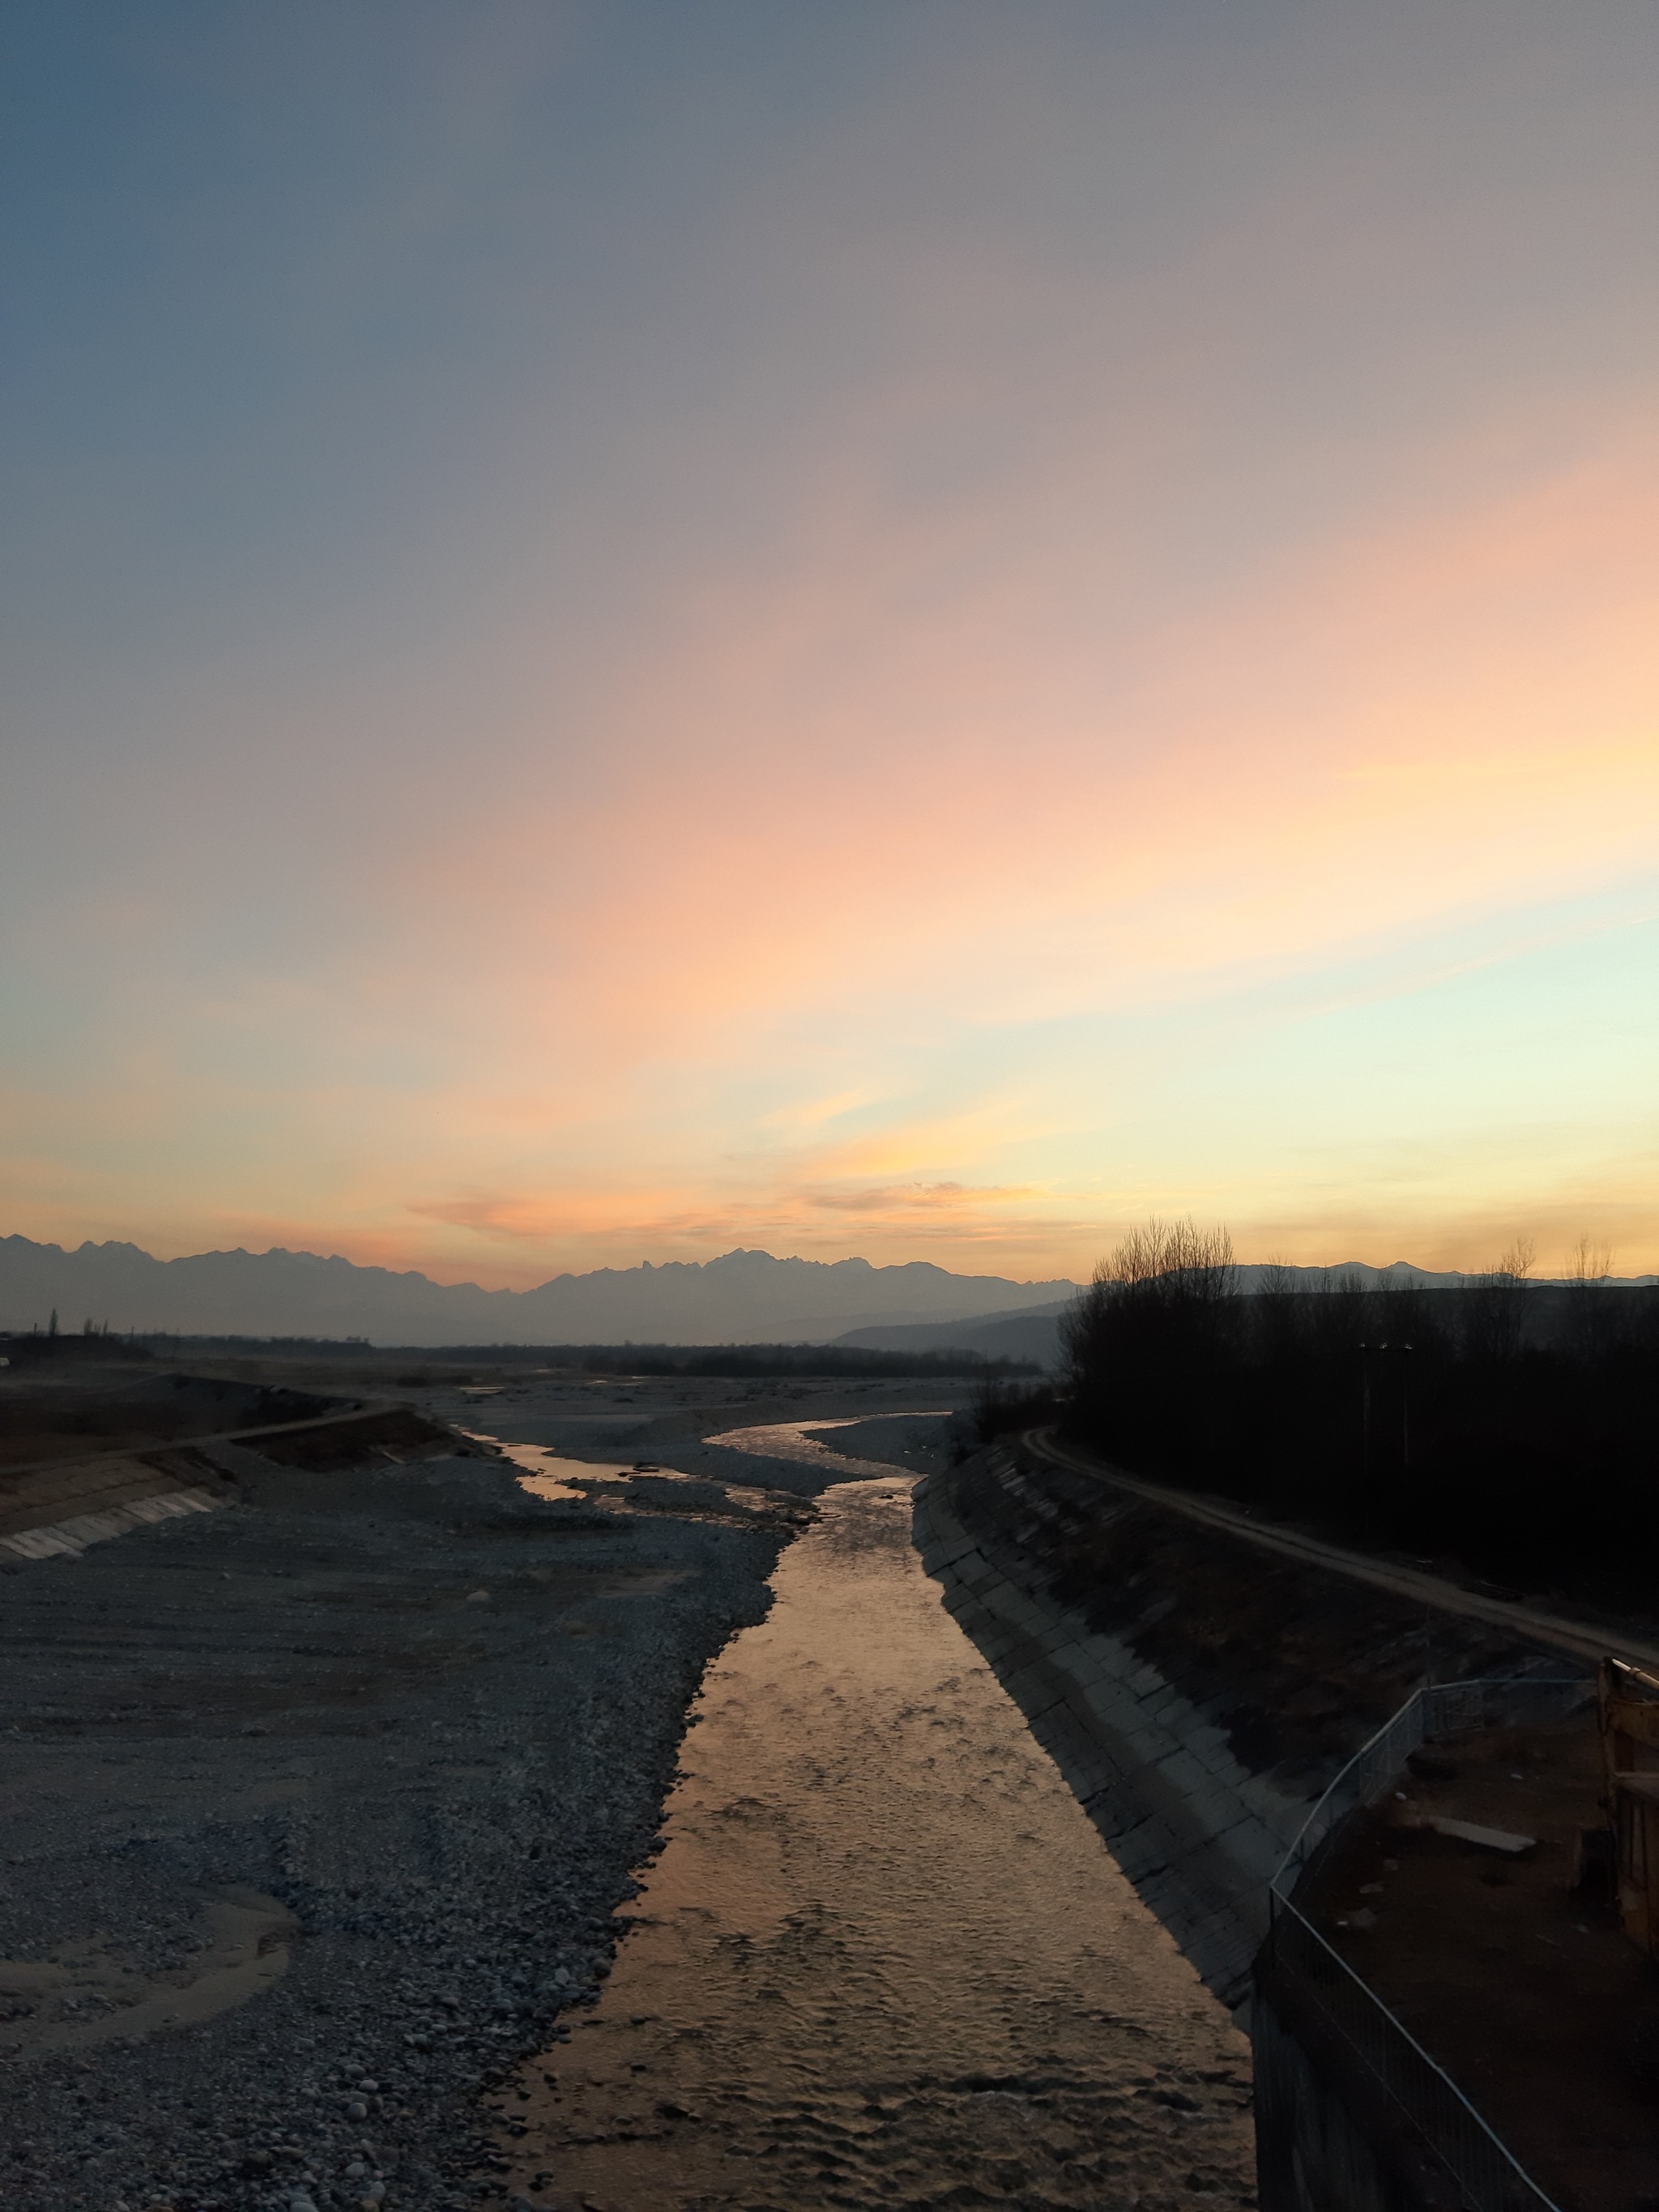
<point>1509,1426</point>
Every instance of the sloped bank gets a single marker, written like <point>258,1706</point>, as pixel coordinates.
<point>1199,1693</point>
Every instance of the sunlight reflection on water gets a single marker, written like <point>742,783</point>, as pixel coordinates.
<point>545,1473</point>
<point>884,1959</point>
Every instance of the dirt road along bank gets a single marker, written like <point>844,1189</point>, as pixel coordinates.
<point>316,1808</point>
<point>1583,1641</point>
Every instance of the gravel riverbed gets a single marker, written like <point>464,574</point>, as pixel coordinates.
<point>316,1810</point>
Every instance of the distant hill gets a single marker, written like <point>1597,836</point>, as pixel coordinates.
<point>1032,1335</point>
<point>742,1297</point>
<point>1398,1275</point>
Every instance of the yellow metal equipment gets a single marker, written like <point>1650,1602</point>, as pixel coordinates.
<point>1628,1704</point>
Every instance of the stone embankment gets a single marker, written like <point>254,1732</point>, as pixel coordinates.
<point>57,1506</point>
<point>1197,1692</point>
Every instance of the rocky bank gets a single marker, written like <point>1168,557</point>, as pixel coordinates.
<point>317,1809</point>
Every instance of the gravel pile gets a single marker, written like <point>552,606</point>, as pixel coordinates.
<point>408,1729</point>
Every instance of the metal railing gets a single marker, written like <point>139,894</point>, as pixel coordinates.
<point>1486,2173</point>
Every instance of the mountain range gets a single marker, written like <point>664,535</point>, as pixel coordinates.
<point>741,1298</point>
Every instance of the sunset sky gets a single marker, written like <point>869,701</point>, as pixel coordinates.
<point>897,627</point>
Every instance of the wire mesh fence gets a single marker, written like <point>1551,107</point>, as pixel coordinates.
<point>1486,2173</point>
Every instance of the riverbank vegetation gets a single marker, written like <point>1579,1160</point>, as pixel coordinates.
<point>1508,1426</point>
<point>1000,1407</point>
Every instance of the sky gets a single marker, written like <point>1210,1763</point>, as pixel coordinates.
<point>908,628</point>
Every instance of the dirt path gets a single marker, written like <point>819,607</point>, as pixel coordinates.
<point>354,1409</point>
<point>1574,1636</point>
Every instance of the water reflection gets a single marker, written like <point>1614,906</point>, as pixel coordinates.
<point>798,1441</point>
<point>545,1473</point>
<point>884,1959</point>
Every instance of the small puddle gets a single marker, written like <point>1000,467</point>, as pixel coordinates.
<point>88,1994</point>
<point>884,1959</point>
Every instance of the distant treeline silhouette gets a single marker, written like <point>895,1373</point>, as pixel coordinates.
<point>1511,1427</point>
<point>739,1361</point>
<point>734,1361</point>
<point>92,1342</point>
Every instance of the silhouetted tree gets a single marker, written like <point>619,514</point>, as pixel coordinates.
<point>1592,1316</point>
<point>1494,1305</point>
<point>1485,1424</point>
<point>1144,1344</point>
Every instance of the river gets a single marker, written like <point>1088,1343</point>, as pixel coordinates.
<point>884,1960</point>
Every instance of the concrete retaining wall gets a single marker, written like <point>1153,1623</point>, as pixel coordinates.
<point>1197,1694</point>
<point>1197,1834</point>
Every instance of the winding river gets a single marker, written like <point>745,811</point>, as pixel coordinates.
<point>885,1960</point>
